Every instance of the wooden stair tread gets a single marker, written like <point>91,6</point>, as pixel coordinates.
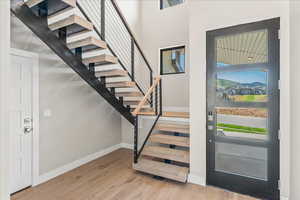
<point>67,3</point>
<point>161,169</point>
<point>88,44</point>
<point>152,113</point>
<point>122,84</point>
<point>31,3</point>
<point>74,24</point>
<point>134,102</point>
<point>146,111</point>
<point>180,128</point>
<point>111,73</point>
<point>167,153</point>
<point>176,114</point>
<point>101,59</point>
<point>129,94</point>
<point>170,139</point>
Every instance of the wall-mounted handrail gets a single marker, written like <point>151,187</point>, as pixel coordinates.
<point>147,96</point>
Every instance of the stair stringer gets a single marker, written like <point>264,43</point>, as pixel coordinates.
<point>39,27</point>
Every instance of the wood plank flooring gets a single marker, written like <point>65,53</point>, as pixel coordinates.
<point>112,178</point>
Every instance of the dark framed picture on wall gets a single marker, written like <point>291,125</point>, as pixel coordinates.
<point>172,60</point>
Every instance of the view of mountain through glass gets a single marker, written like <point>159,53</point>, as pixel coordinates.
<point>242,86</point>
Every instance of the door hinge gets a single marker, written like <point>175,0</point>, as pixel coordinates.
<point>279,134</point>
<point>279,185</point>
<point>279,34</point>
<point>279,84</point>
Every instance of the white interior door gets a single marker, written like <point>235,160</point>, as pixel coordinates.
<point>20,121</point>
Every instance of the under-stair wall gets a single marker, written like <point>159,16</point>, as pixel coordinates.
<point>82,122</point>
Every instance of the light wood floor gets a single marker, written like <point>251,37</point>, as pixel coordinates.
<point>112,178</point>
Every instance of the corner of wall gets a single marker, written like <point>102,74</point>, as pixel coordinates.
<point>196,179</point>
<point>4,64</point>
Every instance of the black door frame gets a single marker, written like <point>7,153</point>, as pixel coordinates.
<point>251,186</point>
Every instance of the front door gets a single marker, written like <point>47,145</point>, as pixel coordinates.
<point>243,108</point>
<point>20,121</point>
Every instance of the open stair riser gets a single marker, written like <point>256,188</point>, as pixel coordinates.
<point>166,153</point>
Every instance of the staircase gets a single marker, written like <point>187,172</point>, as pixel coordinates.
<point>166,153</point>
<point>93,38</point>
<point>66,26</point>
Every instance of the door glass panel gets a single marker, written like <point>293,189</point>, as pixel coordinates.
<point>242,160</point>
<point>243,48</point>
<point>248,123</point>
<point>242,86</point>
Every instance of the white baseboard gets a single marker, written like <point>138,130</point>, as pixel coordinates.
<point>175,119</point>
<point>176,109</point>
<point>126,146</point>
<point>284,198</point>
<point>195,179</point>
<point>61,170</point>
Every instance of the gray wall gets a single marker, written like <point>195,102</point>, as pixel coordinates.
<point>82,122</point>
<point>295,99</point>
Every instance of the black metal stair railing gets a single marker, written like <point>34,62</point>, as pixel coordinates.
<point>113,28</point>
<point>141,140</point>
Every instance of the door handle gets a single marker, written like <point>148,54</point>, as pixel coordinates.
<point>210,116</point>
<point>27,130</point>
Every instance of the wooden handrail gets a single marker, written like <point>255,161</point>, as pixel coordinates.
<point>146,97</point>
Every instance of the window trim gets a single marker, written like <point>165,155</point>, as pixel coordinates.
<point>162,8</point>
<point>161,59</point>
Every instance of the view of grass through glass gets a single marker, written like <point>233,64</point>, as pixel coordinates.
<point>242,122</point>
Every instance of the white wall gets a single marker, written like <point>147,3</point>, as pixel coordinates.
<point>131,10</point>
<point>210,15</point>
<point>295,99</point>
<point>4,63</point>
<point>160,29</point>
<point>165,28</point>
<point>82,122</point>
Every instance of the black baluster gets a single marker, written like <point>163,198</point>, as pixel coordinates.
<point>103,19</point>
<point>132,60</point>
<point>136,128</point>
